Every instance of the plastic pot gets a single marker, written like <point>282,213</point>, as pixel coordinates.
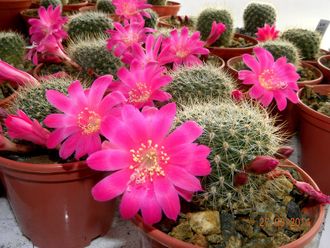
<point>10,13</point>
<point>53,205</point>
<point>325,69</point>
<point>170,9</point>
<point>316,214</point>
<point>314,134</point>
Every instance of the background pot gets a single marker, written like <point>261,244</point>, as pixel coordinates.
<point>314,134</point>
<point>318,75</point>
<point>316,214</point>
<point>170,9</point>
<point>10,14</point>
<point>53,205</point>
<point>74,6</point>
<point>325,70</point>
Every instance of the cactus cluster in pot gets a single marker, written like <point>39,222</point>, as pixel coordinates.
<point>105,6</point>
<point>13,48</point>
<point>54,3</point>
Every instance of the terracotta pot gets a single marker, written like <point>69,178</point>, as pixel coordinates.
<point>316,214</point>
<point>170,9</point>
<point>314,137</point>
<point>229,52</point>
<point>53,205</point>
<point>318,76</point>
<point>74,6</point>
<point>10,13</point>
<point>87,8</point>
<point>314,62</point>
<point>325,70</point>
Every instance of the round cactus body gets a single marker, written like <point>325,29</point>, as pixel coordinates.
<point>308,42</point>
<point>54,3</point>
<point>256,15</point>
<point>105,6</point>
<point>12,48</point>
<point>152,21</point>
<point>204,24</point>
<point>157,2</point>
<point>88,24</point>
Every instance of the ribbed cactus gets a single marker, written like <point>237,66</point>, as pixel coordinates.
<point>54,3</point>
<point>257,14</point>
<point>32,100</point>
<point>88,24</point>
<point>236,133</point>
<point>92,55</point>
<point>201,82</point>
<point>157,2</point>
<point>151,22</point>
<point>205,20</point>
<point>12,48</point>
<point>283,48</point>
<point>105,6</point>
<point>307,41</point>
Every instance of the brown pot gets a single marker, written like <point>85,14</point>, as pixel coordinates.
<point>315,141</point>
<point>74,6</point>
<point>316,214</point>
<point>170,9</point>
<point>229,52</point>
<point>10,13</point>
<point>325,70</point>
<point>27,14</point>
<point>53,204</point>
<point>87,8</point>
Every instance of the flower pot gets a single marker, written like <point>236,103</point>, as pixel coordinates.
<point>314,62</point>
<point>27,14</point>
<point>318,75</point>
<point>315,141</point>
<point>324,68</point>
<point>10,13</point>
<point>229,52</point>
<point>74,6</point>
<point>87,8</point>
<point>180,21</point>
<point>170,9</point>
<point>53,205</point>
<point>316,214</point>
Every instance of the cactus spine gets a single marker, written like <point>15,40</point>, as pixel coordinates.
<point>12,48</point>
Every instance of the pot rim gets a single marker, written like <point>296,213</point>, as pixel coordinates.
<point>172,4</point>
<point>319,62</point>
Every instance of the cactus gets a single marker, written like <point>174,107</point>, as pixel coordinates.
<point>256,15</point>
<point>92,55</point>
<point>88,24</point>
<point>157,2</point>
<point>105,6</point>
<point>152,21</point>
<point>12,48</point>
<point>203,81</point>
<point>236,134</point>
<point>65,2</point>
<point>46,3</point>
<point>32,100</point>
<point>308,42</point>
<point>282,48</point>
<point>204,24</point>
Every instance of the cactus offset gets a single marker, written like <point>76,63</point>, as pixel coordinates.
<point>152,21</point>
<point>204,24</point>
<point>54,3</point>
<point>157,2</point>
<point>12,48</point>
<point>105,6</point>
<point>308,42</point>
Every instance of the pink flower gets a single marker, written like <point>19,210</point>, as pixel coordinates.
<point>182,49</point>
<point>131,9</point>
<point>79,127</point>
<point>142,86</point>
<point>267,33</point>
<point>10,73</point>
<point>21,127</point>
<point>270,79</point>
<point>216,31</point>
<point>152,167</point>
<point>313,194</point>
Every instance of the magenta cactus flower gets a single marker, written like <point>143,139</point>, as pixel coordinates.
<point>180,48</point>
<point>131,9</point>
<point>21,127</point>
<point>147,160</point>
<point>270,79</point>
<point>78,128</point>
<point>142,85</point>
<point>216,31</point>
<point>267,32</point>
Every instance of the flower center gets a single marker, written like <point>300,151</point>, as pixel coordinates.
<point>148,162</point>
<point>139,94</point>
<point>182,53</point>
<point>130,38</point>
<point>89,121</point>
<point>270,81</point>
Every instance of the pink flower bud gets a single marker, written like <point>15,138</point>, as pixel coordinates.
<point>241,178</point>
<point>312,193</point>
<point>284,152</point>
<point>216,31</point>
<point>237,95</point>
<point>262,165</point>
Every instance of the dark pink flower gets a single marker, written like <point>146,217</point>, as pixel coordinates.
<point>312,193</point>
<point>152,166</point>
<point>237,95</point>
<point>216,31</point>
<point>284,152</point>
<point>79,127</point>
<point>241,178</point>
<point>262,165</point>
<point>270,79</point>
<point>267,33</point>
<point>131,9</point>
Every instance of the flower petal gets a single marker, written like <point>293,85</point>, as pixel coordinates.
<point>182,179</point>
<point>109,160</point>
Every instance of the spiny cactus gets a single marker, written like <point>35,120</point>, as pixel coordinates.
<point>257,14</point>
<point>157,2</point>
<point>54,3</point>
<point>88,24</point>
<point>307,41</point>
<point>236,133</point>
<point>32,100</point>
<point>152,21</point>
<point>92,55</point>
<point>283,48</point>
<point>205,20</point>
<point>202,82</point>
<point>105,6</point>
<point>12,48</point>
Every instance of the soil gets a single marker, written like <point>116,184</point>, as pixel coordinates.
<point>240,66</point>
<point>320,103</point>
<point>326,63</point>
<point>180,21</point>
<point>240,43</point>
<point>306,74</point>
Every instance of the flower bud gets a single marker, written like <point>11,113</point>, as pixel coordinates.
<point>284,152</point>
<point>312,193</point>
<point>237,95</point>
<point>241,178</point>
<point>262,165</point>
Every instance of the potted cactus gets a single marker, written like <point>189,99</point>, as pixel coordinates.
<point>164,7</point>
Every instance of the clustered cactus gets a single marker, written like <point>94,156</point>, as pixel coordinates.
<point>54,3</point>
<point>88,24</point>
<point>204,24</point>
<point>12,48</point>
<point>307,41</point>
<point>92,55</point>
<point>152,21</point>
<point>105,6</point>
<point>256,15</point>
<point>201,82</point>
<point>157,2</point>
<point>236,133</point>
